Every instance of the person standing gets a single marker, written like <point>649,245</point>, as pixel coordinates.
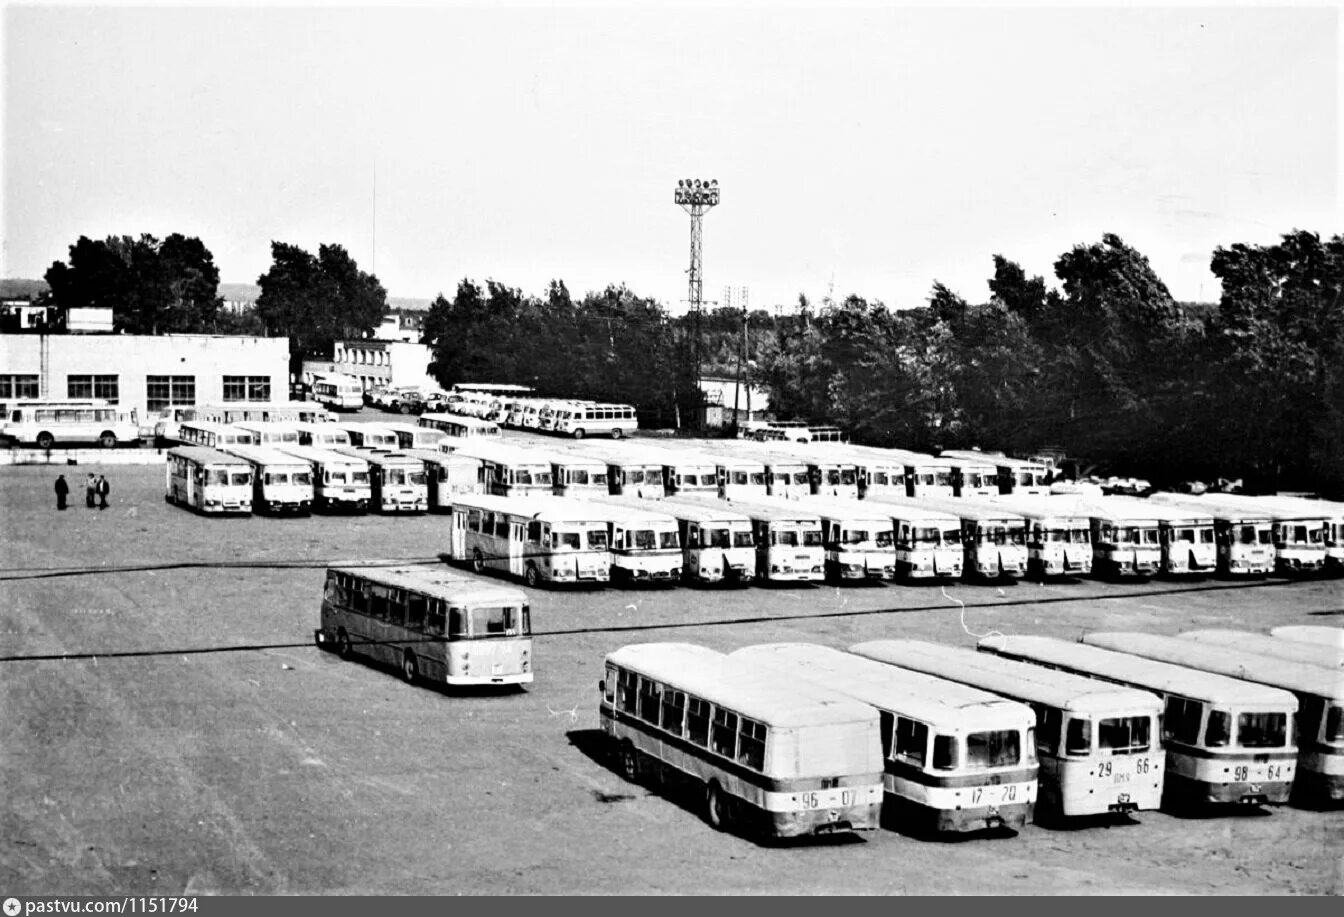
<point>90,490</point>
<point>62,490</point>
<point>103,488</point>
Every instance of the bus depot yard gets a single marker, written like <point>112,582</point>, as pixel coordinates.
<point>171,727</point>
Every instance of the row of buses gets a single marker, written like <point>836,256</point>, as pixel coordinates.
<point>800,739</point>
<point>565,417</point>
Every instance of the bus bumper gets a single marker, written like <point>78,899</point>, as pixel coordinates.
<point>963,821</point>
<point>829,821</point>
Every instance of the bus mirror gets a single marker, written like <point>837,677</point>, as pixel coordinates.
<point>602,687</point>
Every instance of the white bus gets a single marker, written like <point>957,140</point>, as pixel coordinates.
<point>927,475</point>
<point>1126,537</point>
<point>1320,699</point>
<point>595,419</point>
<point>1299,531</point>
<point>645,544</point>
<point>1323,655</point>
<point>993,539</point>
<point>439,625</point>
<point>322,435</point>
<point>538,539</point>
<point>460,426</point>
<point>1205,764</point>
<point>369,435</point>
<point>1188,536</point>
<point>928,540</point>
<point>498,389</point>
<point>1332,511</point>
<point>396,480</point>
<point>281,483</point>
<point>1017,477</point>
<point>338,392</point>
<point>1098,744</point>
<point>1059,536</point>
<point>340,482</point>
<point>446,476</point>
<point>972,477</point>
<point>631,472</point>
<point>1318,634</point>
<point>214,435</point>
<point>767,753</point>
<point>858,538</point>
<point>415,435</point>
<point>786,475</point>
<point>507,470</point>
<point>168,421</point>
<point>207,480</point>
<point>789,540</point>
<point>957,759</point>
<point>270,432</point>
<point>742,477</point>
<point>46,423</point>
<point>1243,539</point>
<point>716,541</point>
<point>576,475</point>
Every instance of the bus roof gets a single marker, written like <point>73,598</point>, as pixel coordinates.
<point>841,508</point>
<point>206,456</point>
<point>429,456</point>
<point>924,697</point>
<point>913,510</point>
<point>749,689</point>
<point>540,508</point>
<point>317,454</point>
<point>1041,506</point>
<point>1269,506</point>
<point>773,510</point>
<point>466,420</point>
<point>1018,680</point>
<point>1321,634</point>
<point>378,456</point>
<point>1325,656</point>
<point>435,580</point>
<point>1217,511</point>
<point>267,425</point>
<point>614,509</point>
<point>1281,673</point>
<point>266,455</point>
<point>972,508</point>
<point>1149,674</point>
<point>500,452</point>
<point>703,510</point>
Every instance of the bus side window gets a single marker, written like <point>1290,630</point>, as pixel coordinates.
<point>1048,723</point>
<point>674,712</point>
<point>359,597</point>
<point>885,723</point>
<point>724,734</point>
<point>434,618</point>
<point>534,532</point>
<point>650,700</point>
<point>415,611</point>
<point>379,599</point>
<point>751,744</point>
<point>1078,739</point>
<point>697,721</point>
<point>1218,732</point>
<point>626,691</point>
<point>396,606</point>
<point>945,753</point>
<point>912,742</point>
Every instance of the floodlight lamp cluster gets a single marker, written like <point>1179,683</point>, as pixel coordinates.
<point>697,191</point>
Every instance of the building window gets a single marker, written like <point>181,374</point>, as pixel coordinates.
<point>247,388</point>
<point>163,392</point>
<point>85,387</point>
<point>18,387</point>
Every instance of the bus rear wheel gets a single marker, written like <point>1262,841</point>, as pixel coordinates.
<point>629,763</point>
<point>616,433</point>
<point>45,440</point>
<point>531,576</point>
<point>108,439</point>
<point>477,561</point>
<point>578,433</point>
<point>716,813</point>
<point>409,669</point>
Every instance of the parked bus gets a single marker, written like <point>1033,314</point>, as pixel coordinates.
<point>926,475</point>
<point>540,539</point>
<point>446,476</point>
<point>645,544</point>
<point>369,435</point>
<point>1243,538</point>
<point>858,540</point>
<point>577,475</point>
<point>1320,699</point>
<point>769,754</point>
<point>322,435</point>
<point>716,541</point>
<point>1059,536</point>
<point>595,419</point>
<point>507,470</point>
<point>956,759</point>
<point>1188,536</point>
<point>881,476</point>
<point>741,477</point>
<point>396,480</point>
<point>1205,764</point>
<point>1126,536</point>
<point>416,435</point>
<point>1332,512</point>
<point>631,471</point>
<point>1017,477</point>
<point>207,480</point>
<point>49,422</point>
<point>993,539</point>
<point>338,392</point>
<point>1098,744</point>
<point>687,473</point>
<point>439,625</point>
<point>1317,634</point>
<point>167,425</point>
<point>498,389</point>
<point>927,540</point>
<point>281,483</point>
<point>460,426</point>
<point>789,541</point>
<point>1322,655</point>
<point>340,481</point>
<point>1299,532</point>
<point>270,432</point>
<point>787,476</point>
<point>214,435</point>
<point>972,477</point>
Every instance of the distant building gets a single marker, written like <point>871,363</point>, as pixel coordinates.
<point>379,364</point>
<point>752,403</point>
<point>147,372</point>
<point>401,326</point>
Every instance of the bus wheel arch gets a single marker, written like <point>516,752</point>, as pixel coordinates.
<point>107,439</point>
<point>342,644</point>
<point>477,561</point>
<point>531,576</point>
<point>410,669</point>
<point>45,440</point>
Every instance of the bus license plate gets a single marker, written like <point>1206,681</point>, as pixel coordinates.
<point>828,799</point>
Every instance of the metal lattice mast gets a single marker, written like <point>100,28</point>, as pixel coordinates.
<point>696,197</point>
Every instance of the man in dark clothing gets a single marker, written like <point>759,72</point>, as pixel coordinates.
<point>62,490</point>
<point>102,492</point>
<point>90,490</point>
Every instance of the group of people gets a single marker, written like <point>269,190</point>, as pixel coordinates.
<point>96,490</point>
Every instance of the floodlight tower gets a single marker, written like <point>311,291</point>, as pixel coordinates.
<point>696,196</point>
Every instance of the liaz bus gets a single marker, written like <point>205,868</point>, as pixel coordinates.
<point>716,541</point>
<point>768,753</point>
<point>460,426</point>
<point>370,435</point>
<point>46,423</point>
<point>1020,477</point>
<point>323,435</point>
<point>972,477</point>
<point>396,480</point>
<point>547,540</point>
<point>281,483</point>
<point>993,539</point>
<point>214,435</point>
<point>507,470</point>
<point>1126,537</point>
<point>338,392</point>
<point>1098,744</point>
<point>340,482</point>
<point>645,544</point>
<point>439,625</point>
<point>1059,535</point>
<point>789,540</point>
<point>957,759</point>
<point>415,435</point>
<point>577,475</point>
<point>270,432</point>
<point>1207,762</point>
<point>1188,536</point>
<point>1319,634</point>
<point>1323,655</point>
<point>1320,700</point>
<point>858,539</point>
<point>1332,512</point>
<point>1299,533</point>
<point>207,480</point>
<point>446,476</point>
<point>595,419</point>
<point>927,540</point>
<point>742,478</point>
<point>631,471</point>
<point>926,475</point>
<point>1243,538</point>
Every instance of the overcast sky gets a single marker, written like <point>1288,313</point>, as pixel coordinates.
<point>877,149</point>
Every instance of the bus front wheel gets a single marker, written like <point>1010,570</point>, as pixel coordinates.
<point>716,813</point>
<point>578,432</point>
<point>409,670</point>
<point>108,439</point>
<point>616,433</point>
<point>45,440</point>
<point>342,644</point>
<point>531,576</point>
<point>477,561</point>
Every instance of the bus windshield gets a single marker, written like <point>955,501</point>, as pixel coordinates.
<point>1262,730</point>
<point>489,621</point>
<point>743,539</point>
<point>855,536</point>
<point>718,538</point>
<point>359,477</point>
<point>303,477</point>
<point>886,538</point>
<point>1000,748</point>
<point>668,540</point>
<point>276,477</point>
<point>566,541</point>
<point>812,538</point>
<point>597,539</point>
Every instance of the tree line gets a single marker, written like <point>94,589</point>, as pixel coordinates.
<point>1103,365</point>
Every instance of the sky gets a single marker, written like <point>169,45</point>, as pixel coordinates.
<point>869,150</point>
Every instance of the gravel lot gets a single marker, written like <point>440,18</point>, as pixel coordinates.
<point>208,747</point>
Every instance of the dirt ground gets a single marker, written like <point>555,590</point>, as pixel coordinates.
<point>167,727</point>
